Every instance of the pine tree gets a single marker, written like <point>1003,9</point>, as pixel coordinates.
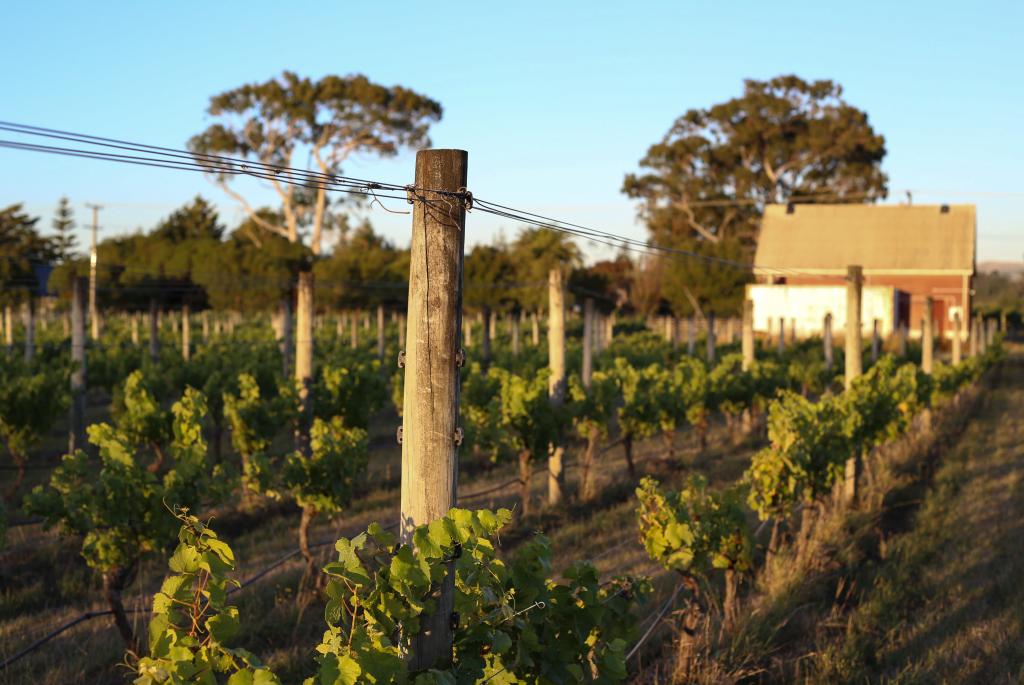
<point>64,242</point>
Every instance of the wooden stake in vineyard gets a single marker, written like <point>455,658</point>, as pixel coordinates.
<point>76,429</point>
<point>557,380</point>
<point>29,313</point>
<point>588,341</point>
<point>748,334</point>
<point>154,330</point>
<point>957,351</point>
<point>854,364</point>
<point>430,434</point>
<point>380,332</point>
<point>782,334</point>
<point>826,340</point>
<point>710,339</point>
<point>876,340</point>
<point>304,358</point>
<point>691,336</point>
<point>186,332</point>
<point>927,337</point>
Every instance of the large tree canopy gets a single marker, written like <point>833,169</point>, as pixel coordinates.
<point>784,139</point>
<point>330,119</point>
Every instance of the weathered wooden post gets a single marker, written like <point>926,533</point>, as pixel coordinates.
<point>304,308</point>
<point>826,339</point>
<point>691,335</point>
<point>792,331</point>
<point>782,335</point>
<point>339,325</point>
<point>710,340</point>
<point>430,434</point>
<point>876,340</point>
<point>8,328</point>
<point>353,326</point>
<point>380,332</point>
<point>154,330</point>
<point>401,327</point>
<point>609,333</point>
<point>854,364</point>
<point>29,313</point>
<point>957,353</point>
<point>556,381</point>
<point>588,341</point>
<point>186,332</point>
<point>854,286</point>
<point>76,429</point>
<point>135,328</point>
<point>286,334</point>
<point>927,337</point>
<point>901,340</point>
<point>516,335</point>
<point>535,330</point>
<point>206,326</point>
<point>748,334</point>
<point>673,332</point>
<point>486,333</point>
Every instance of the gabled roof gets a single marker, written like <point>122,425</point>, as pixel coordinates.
<point>907,239</point>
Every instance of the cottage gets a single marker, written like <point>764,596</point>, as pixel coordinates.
<point>907,252</point>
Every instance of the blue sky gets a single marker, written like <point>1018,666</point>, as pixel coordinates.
<point>554,101</point>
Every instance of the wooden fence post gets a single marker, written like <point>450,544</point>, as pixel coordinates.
<point>927,337</point>
<point>135,328</point>
<point>304,308</point>
<point>515,334</point>
<point>430,435</point>
<point>353,329</point>
<point>588,341</point>
<point>401,328</point>
<point>711,340</point>
<point>487,333</point>
<point>826,340</point>
<point>206,326</point>
<point>380,332</point>
<point>854,286</point>
<point>535,328</point>
<point>876,341</point>
<point>186,332</point>
<point>8,328</point>
<point>901,341</point>
<point>556,381</point>
<point>748,334</point>
<point>30,327</point>
<point>609,334</point>
<point>691,335</point>
<point>154,330</point>
<point>957,352</point>
<point>76,429</point>
<point>286,334</point>
<point>854,365</point>
<point>782,335</point>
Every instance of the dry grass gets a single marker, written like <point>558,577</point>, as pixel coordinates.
<point>851,603</point>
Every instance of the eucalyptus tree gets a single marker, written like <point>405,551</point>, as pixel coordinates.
<point>327,120</point>
<point>704,185</point>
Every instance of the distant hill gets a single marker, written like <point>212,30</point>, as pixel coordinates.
<point>1008,268</point>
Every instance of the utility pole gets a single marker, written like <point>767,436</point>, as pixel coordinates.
<point>430,432</point>
<point>94,319</point>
